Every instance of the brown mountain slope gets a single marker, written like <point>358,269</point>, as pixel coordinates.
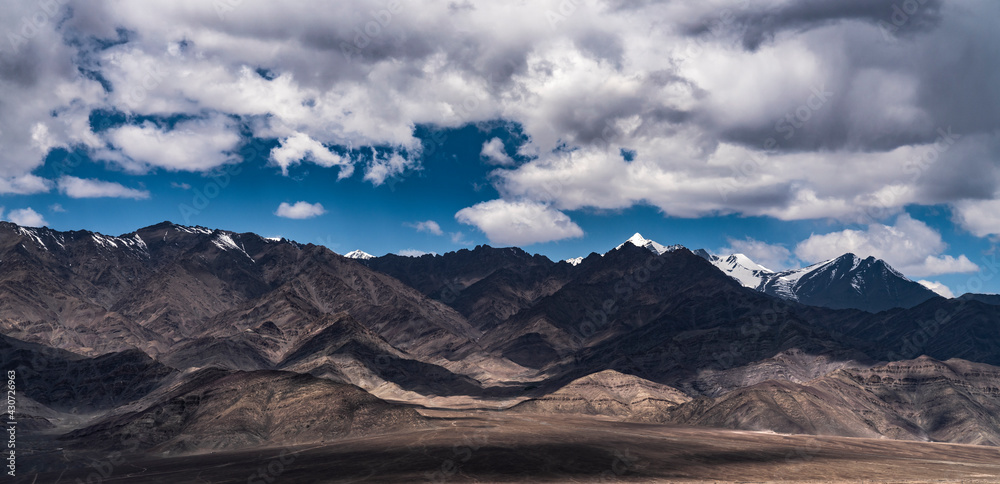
<point>217,409</point>
<point>923,399</point>
<point>786,407</point>
<point>952,401</point>
<point>68,382</point>
<point>608,393</point>
<point>172,291</point>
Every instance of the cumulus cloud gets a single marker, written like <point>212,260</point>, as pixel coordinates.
<point>298,147</point>
<point>910,246</point>
<point>981,218</point>
<point>300,210</point>
<point>24,185</point>
<point>519,222</point>
<point>74,187</point>
<point>27,217</point>
<point>428,226</point>
<point>937,287</point>
<point>385,166</point>
<point>495,153</point>
<point>701,92</point>
<point>46,100</point>
<point>194,145</point>
<point>772,256</point>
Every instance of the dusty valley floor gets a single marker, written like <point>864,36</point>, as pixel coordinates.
<point>486,446</point>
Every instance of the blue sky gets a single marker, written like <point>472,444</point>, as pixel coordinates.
<point>792,133</point>
<point>384,219</point>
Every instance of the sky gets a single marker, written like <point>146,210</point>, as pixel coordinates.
<point>792,131</point>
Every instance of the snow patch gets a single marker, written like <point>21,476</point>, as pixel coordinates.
<point>359,254</point>
<point>193,230</point>
<point>574,261</point>
<point>225,242</point>
<point>106,242</point>
<point>33,235</point>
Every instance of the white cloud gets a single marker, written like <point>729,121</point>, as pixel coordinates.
<point>74,187</point>
<point>982,218</point>
<point>428,226</point>
<point>300,210</point>
<point>57,208</point>
<point>194,145</point>
<point>27,217</point>
<point>910,246</point>
<point>458,238</point>
<point>937,287</point>
<point>772,256</point>
<point>46,101</point>
<point>414,253</point>
<point>298,147</point>
<point>493,151</point>
<point>519,222</point>
<point>693,88</point>
<point>24,185</point>
<point>180,186</point>
<point>385,166</point>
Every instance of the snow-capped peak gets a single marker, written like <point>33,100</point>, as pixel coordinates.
<point>359,254</point>
<point>740,267</point>
<point>748,263</point>
<point>639,241</point>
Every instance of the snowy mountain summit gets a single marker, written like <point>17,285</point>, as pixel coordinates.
<point>359,254</point>
<point>639,241</point>
<point>844,282</point>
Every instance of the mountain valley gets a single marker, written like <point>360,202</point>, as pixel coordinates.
<point>178,342</point>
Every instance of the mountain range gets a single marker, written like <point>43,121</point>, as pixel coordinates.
<point>200,339</point>
<point>845,282</point>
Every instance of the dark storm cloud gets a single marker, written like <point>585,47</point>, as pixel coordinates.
<point>758,25</point>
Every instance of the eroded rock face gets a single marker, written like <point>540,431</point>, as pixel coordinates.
<point>217,409</point>
<point>609,393</point>
<point>922,399</point>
